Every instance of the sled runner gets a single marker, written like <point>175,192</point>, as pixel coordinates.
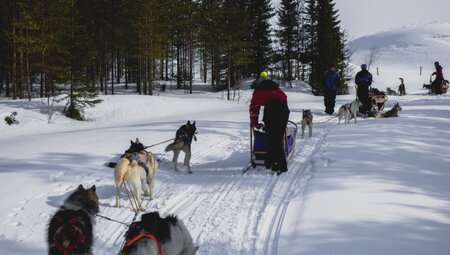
<point>259,144</point>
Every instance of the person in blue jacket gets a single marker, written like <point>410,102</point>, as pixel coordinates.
<point>364,80</point>
<point>331,83</point>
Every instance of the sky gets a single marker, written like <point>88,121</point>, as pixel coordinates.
<point>365,17</point>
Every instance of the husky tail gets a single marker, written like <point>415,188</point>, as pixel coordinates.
<point>110,164</point>
<point>176,145</point>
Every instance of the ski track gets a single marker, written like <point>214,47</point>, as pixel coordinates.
<point>302,160</point>
<point>253,204</point>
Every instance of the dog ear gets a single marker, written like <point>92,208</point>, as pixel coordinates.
<point>137,140</point>
<point>193,123</point>
<point>131,141</point>
<point>189,122</point>
<point>93,188</point>
<point>80,187</point>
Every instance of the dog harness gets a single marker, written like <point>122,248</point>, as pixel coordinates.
<point>348,107</point>
<point>134,239</point>
<point>79,238</point>
<point>141,163</point>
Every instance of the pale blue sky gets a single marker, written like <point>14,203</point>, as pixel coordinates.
<point>364,17</point>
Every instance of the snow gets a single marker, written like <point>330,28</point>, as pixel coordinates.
<point>376,187</point>
<point>402,52</point>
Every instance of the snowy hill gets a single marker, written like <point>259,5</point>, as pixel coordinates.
<point>403,51</point>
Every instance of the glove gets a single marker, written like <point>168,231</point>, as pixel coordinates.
<point>258,125</point>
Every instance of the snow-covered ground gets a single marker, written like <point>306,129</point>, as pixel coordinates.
<point>380,186</point>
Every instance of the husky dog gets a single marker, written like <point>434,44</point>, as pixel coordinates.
<point>401,87</point>
<point>137,166</point>
<point>392,112</point>
<point>70,229</point>
<point>154,235</point>
<point>390,91</point>
<point>307,120</point>
<point>347,110</point>
<point>182,142</point>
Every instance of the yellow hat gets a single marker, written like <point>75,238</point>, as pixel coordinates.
<point>263,74</point>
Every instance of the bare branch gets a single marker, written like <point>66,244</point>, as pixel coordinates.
<point>372,56</point>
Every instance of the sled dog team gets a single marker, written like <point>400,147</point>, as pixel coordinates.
<point>70,231</point>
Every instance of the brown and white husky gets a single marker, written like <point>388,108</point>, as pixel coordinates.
<point>138,167</point>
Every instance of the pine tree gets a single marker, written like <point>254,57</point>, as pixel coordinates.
<point>330,44</point>
<point>288,34</point>
<point>260,43</point>
<point>78,49</point>
<point>211,34</point>
<point>309,19</point>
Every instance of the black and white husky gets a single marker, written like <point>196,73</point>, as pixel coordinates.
<point>307,120</point>
<point>154,235</point>
<point>348,110</point>
<point>182,142</point>
<point>70,229</point>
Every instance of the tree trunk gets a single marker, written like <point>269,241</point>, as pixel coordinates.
<point>119,64</point>
<point>205,66</point>
<point>112,71</point>
<point>178,67</point>
<point>27,63</point>
<point>22,75</point>
<point>191,61</point>
<point>139,75</point>
<point>14,65</point>
<point>127,72</point>
<point>167,65</point>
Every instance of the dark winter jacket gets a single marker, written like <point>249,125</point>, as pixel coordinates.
<point>438,73</point>
<point>265,92</point>
<point>363,78</point>
<point>331,80</point>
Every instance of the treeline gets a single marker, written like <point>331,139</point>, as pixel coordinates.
<point>86,47</point>
<point>310,40</point>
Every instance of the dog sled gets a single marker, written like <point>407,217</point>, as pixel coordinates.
<point>379,98</point>
<point>432,89</point>
<point>259,144</point>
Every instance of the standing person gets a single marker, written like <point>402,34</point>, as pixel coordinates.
<point>364,80</point>
<point>437,83</point>
<point>276,114</point>
<point>331,83</point>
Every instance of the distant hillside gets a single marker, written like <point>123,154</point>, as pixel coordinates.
<point>407,46</point>
<point>403,51</point>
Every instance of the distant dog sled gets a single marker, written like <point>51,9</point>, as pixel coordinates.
<point>432,89</point>
<point>259,144</point>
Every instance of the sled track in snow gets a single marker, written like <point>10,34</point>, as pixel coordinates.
<point>245,212</point>
<point>301,162</point>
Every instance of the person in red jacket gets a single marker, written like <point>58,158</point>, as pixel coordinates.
<point>276,114</point>
<point>437,83</point>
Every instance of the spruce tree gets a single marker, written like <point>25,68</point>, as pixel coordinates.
<point>288,34</point>
<point>309,19</point>
<point>260,43</point>
<point>330,44</point>
<point>235,31</point>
